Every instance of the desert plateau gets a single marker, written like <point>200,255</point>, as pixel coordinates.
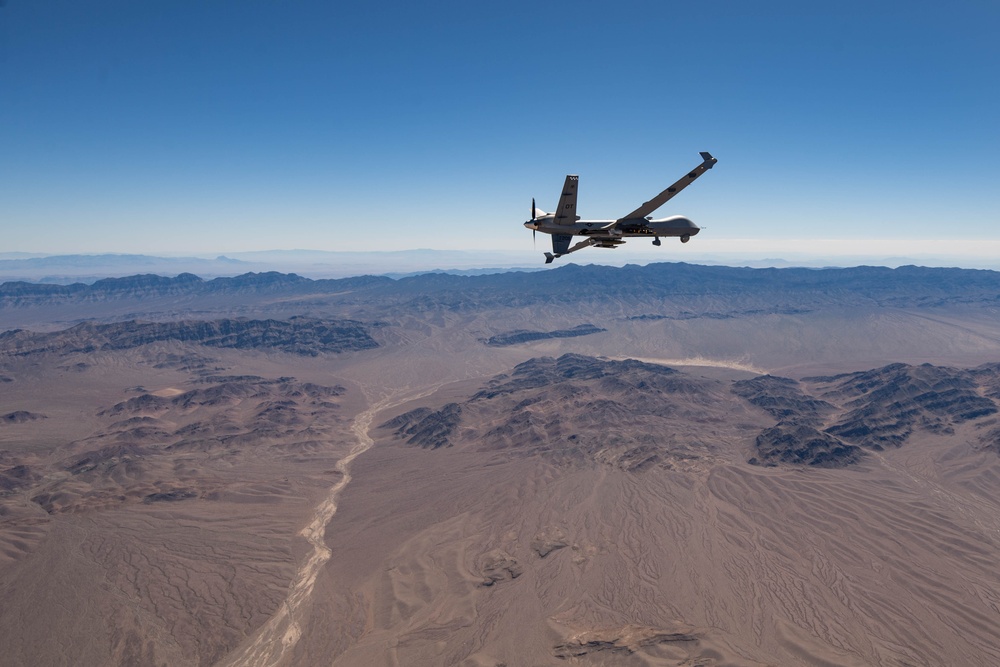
<point>664,465</point>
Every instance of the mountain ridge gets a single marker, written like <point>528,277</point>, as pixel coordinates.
<point>906,285</point>
<point>302,336</point>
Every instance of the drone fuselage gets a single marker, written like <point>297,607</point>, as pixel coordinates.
<point>676,225</point>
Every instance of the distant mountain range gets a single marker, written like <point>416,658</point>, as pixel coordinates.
<point>67,269</point>
<point>746,290</point>
<point>319,264</point>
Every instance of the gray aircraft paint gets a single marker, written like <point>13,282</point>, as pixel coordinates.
<point>564,223</point>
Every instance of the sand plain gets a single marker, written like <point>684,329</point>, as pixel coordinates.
<point>489,556</point>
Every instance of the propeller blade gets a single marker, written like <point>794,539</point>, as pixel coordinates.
<point>534,245</point>
<point>532,209</point>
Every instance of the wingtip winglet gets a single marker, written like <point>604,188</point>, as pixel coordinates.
<point>707,157</point>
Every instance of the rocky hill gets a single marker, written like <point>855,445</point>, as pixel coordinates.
<point>633,414</point>
<point>827,420</point>
<point>798,443</point>
<point>296,335</point>
<point>783,398</point>
<point>578,410</point>
<point>131,457</point>
<point>524,336</point>
<point>20,417</point>
<point>882,407</point>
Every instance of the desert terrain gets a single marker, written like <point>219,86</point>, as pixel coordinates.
<point>662,465</point>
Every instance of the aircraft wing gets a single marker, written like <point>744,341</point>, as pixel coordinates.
<point>566,212</point>
<point>665,196</point>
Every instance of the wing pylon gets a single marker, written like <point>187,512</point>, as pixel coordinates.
<point>579,246</point>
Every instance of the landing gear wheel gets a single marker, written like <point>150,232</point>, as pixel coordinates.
<point>656,241</point>
<point>685,238</point>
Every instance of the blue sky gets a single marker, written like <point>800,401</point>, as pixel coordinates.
<point>213,126</point>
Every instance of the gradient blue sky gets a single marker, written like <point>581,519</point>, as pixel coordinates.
<point>213,126</point>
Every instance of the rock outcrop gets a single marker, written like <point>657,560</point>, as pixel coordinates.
<point>20,417</point>
<point>297,335</point>
<point>522,336</point>
<point>801,444</point>
<point>826,421</point>
<point>885,405</point>
<point>579,410</point>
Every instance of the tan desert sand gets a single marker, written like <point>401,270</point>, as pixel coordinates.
<point>676,486</point>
